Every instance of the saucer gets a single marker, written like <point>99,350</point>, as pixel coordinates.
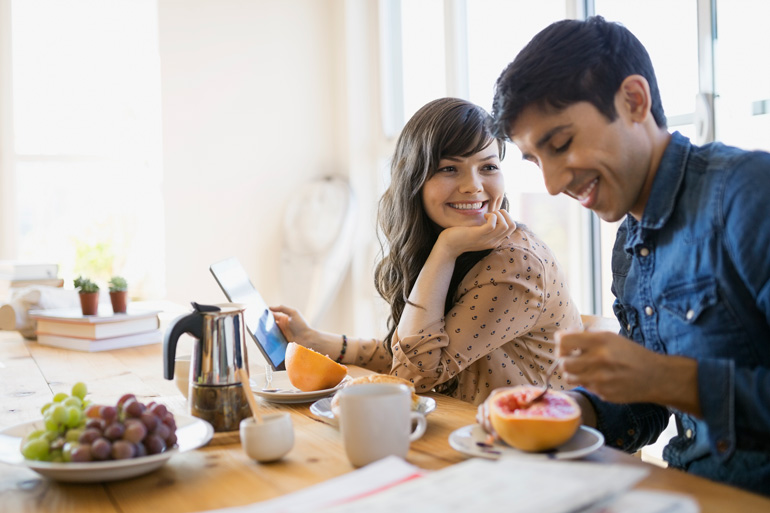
<point>287,393</point>
<point>323,407</point>
<point>471,440</point>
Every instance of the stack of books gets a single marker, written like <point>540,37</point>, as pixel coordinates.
<point>16,274</point>
<point>69,329</point>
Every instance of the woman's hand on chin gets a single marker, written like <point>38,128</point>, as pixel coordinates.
<point>461,239</point>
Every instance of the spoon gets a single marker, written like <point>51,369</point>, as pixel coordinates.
<point>249,396</point>
<point>544,391</point>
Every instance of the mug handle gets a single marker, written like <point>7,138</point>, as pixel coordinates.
<point>422,425</point>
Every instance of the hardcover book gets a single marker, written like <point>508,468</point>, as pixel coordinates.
<point>104,344</point>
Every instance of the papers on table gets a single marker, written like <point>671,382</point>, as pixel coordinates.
<point>514,485</point>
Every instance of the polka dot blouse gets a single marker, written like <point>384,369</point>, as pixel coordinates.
<point>500,331</point>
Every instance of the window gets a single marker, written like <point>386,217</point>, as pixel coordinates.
<point>459,49</point>
<point>85,140</point>
<point>742,77</point>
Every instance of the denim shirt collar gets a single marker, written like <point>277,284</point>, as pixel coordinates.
<point>665,188</point>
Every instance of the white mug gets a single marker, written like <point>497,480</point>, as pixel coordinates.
<point>376,421</point>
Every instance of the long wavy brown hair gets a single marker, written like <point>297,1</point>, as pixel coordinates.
<point>448,127</point>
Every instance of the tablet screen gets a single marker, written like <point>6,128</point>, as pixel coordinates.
<point>235,283</point>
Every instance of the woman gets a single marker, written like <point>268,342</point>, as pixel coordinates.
<point>475,298</point>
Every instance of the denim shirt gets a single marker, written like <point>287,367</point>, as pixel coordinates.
<point>692,278</point>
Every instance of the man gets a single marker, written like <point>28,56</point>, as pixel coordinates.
<point>691,262</point>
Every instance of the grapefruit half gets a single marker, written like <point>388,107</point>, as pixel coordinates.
<point>540,426</point>
<point>310,371</point>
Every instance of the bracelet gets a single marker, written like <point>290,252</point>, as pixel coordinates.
<point>344,348</point>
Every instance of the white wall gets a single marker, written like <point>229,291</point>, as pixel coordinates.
<point>247,117</point>
<point>256,102</point>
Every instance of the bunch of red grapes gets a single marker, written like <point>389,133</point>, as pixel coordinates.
<point>129,429</point>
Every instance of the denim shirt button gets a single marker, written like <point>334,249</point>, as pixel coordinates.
<point>619,442</point>
<point>648,310</point>
<point>631,432</point>
<point>722,446</point>
<point>690,314</point>
<point>628,327</point>
<point>688,433</point>
<point>644,252</point>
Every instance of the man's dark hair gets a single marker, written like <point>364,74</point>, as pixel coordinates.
<point>573,61</point>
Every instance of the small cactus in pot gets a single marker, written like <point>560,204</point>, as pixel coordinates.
<point>118,294</point>
<point>89,295</point>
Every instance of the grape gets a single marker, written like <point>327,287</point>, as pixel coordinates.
<point>149,420</point>
<point>74,416</point>
<point>108,413</point>
<point>97,424</point>
<point>73,435</point>
<point>45,407</point>
<point>162,431</point>
<point>35,434</point>
<point>81,453</point>
<point>159,410</point>
<point>135,431</point>
<point>59,414</point>
<point>141,450</point>
<point>133,408</point>
<point>60,397</point>
<point>36,449</point>
<point>114,431</point>
<point>79,390</point>
<point>92,412</point>
<point>124,398</point>
<point>89,436</point>
<point>123,450</point>
<point>171,440</point>
<point>50,424</point>
<point>154,444</point>
<point>101,449</point>
<point>73,401</point>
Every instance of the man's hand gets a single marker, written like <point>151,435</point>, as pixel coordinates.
<point>621,371</point>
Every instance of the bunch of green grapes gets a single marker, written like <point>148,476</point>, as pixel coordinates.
<point>64,420</point>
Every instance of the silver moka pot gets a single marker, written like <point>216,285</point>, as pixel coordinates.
<point>216,394</point>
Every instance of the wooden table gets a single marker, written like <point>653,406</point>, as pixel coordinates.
<point>220,475</point>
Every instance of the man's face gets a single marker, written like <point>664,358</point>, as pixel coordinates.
<point>600,163</point>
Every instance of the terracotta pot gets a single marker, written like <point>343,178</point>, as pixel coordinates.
<point>89,302</point>
<point>119,301</point>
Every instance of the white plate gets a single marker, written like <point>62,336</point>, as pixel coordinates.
<point>287,394</point>
<point>191,433</point>
<point>471,440</point>
<point>323,407</point>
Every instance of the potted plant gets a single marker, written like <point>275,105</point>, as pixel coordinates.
<point>118,294</point>
<point>89,295</point>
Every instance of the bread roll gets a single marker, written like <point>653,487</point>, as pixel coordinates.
<point>374,378</point>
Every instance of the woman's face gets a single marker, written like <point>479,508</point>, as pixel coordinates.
<point>463,189</point>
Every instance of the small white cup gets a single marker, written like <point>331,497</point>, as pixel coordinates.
<point>269,440</point>
<point>376,421</point>
<point>182,374</point>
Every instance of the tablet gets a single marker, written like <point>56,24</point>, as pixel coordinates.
<point>260,323</point>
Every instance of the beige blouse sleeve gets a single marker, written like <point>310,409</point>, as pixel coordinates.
<point>499,299</point>
<point>369,353</point>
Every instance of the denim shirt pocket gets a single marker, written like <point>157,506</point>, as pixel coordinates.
<point>697,321</point>
<point>688,301</point>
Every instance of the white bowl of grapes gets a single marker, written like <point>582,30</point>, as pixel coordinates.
<point>78,441</point>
